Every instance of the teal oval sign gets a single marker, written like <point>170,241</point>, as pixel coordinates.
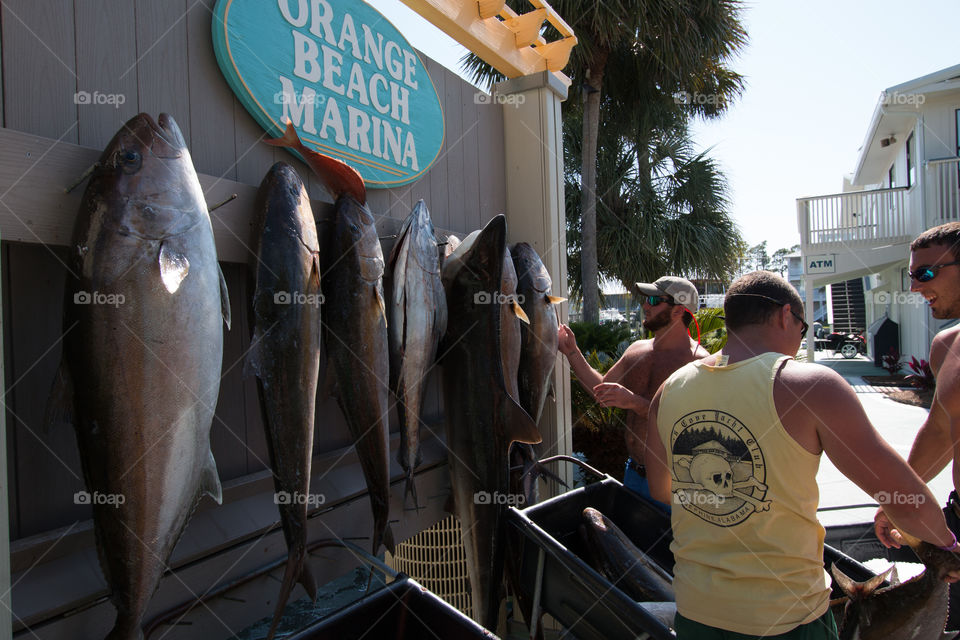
<point>351,84</point>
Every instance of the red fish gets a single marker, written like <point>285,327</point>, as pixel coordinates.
<point>339,177</point>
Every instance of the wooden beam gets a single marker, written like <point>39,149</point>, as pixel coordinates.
<point>489,8</point>
<point>557,53</point>
<point>527,26</point>
<point>490,39</point>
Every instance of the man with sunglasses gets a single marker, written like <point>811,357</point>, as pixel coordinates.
<point>935,274</point>
<point>668,305</point>
<point>735,446</point>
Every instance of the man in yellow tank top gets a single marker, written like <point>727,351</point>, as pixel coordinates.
<point>736,449</point>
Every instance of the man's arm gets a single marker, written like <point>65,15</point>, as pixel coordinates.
<point>815,402</point>
<point>658,475</point>
<point>587,376</point>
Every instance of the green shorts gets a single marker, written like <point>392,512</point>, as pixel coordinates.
<point>823,628</point>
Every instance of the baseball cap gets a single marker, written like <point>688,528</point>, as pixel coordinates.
<point>680,290</point>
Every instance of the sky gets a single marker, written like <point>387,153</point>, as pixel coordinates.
<point>814,72</point>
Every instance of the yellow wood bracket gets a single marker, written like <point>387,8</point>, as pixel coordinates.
<point>508,41</point>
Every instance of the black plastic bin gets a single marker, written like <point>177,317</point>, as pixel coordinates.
<point>402,610</point>
<point>581,599</point>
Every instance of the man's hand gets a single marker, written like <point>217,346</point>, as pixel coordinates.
<point>566,341</point>
<point>885,531</point>
<point>611,394</point>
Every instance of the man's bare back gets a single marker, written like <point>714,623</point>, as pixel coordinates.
<point>945,364</point>
<point>642,369</point>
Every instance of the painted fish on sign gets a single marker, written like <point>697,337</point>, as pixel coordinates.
<point>350,83</point>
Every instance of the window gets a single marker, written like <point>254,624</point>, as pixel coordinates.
<point>892,176</point>
<point>911,169</point>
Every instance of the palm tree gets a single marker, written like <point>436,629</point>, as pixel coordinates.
<point>639,55</point>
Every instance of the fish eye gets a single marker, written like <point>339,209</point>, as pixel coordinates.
<point>130,160</point>
<point>354,228</point>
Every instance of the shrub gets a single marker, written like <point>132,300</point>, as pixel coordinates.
<point>603,338</point>
<point>922,376</point>
<point>892,362</point>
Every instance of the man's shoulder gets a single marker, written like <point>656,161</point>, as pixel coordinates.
<point>943,341</point>
<point>803,375</point>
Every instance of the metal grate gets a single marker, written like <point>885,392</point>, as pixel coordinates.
<point>435,558</point>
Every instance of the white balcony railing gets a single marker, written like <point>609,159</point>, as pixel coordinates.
<point>945,190</point>
<point>856,219</point>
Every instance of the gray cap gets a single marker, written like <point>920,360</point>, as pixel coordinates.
<point>680,290</point>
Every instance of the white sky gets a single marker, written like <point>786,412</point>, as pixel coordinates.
<point>815,70</point>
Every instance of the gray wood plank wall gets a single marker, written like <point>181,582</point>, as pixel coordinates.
<point>158,55</point>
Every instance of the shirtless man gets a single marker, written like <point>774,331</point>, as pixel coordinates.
<point>668,306</point>
<point>935,274</point>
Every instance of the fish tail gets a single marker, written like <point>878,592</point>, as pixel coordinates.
<point>296,570</point>
<point>386,538</point>
<point>410,489</point>
<point>288,139</point>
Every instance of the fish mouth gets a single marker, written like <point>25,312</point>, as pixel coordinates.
<point>161,136</point>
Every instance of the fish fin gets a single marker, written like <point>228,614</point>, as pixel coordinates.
<point>520,426</point>
<point>519,312</point>
<point>383,307</point>
<point>174,268</point>
<point>288,139</point>
<point>308,582</point>
<point>315,269</point>
<point>894,577</point>
<point>857,590</point>
<point>210,480</point>
<point>224,298</point>
<point>388,541</point>
<point>60,407</point>
<point>555,299</point>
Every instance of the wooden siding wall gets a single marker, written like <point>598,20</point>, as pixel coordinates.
<point>158,55</point>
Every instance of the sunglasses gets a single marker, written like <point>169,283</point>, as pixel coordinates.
<point>929,272</point>
<point>655,300</point>
<point>803,323</point>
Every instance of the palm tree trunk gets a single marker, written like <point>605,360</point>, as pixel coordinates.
<point>588,192</point>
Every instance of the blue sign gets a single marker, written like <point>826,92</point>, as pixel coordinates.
<point>351,84</point>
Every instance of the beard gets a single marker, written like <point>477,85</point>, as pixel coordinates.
<point>657,322</point>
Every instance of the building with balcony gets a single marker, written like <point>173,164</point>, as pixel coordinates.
<point>905,181</point>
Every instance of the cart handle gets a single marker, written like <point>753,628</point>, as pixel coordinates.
<point>583,465</point>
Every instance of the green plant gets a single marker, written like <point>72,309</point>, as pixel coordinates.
<point>713,329</point>
<point>922,376</point>
<point>586,411</point>
<point>603,338</point>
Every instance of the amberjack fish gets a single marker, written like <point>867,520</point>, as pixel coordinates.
<point>417,319</point>
<point>285,355</point>
<point>482,419</point>
<point>912,610</point>
<point>145,303</point>
<point>355,330</point>
<point>615,556</point>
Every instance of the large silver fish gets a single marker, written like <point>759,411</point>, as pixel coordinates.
<point>285,355</point>
<point>482,418</point>
<point>142,353</point>
<point>357,350</point>
<point>913,610</point>
<point>417,319</point>
<point>615,556</point>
